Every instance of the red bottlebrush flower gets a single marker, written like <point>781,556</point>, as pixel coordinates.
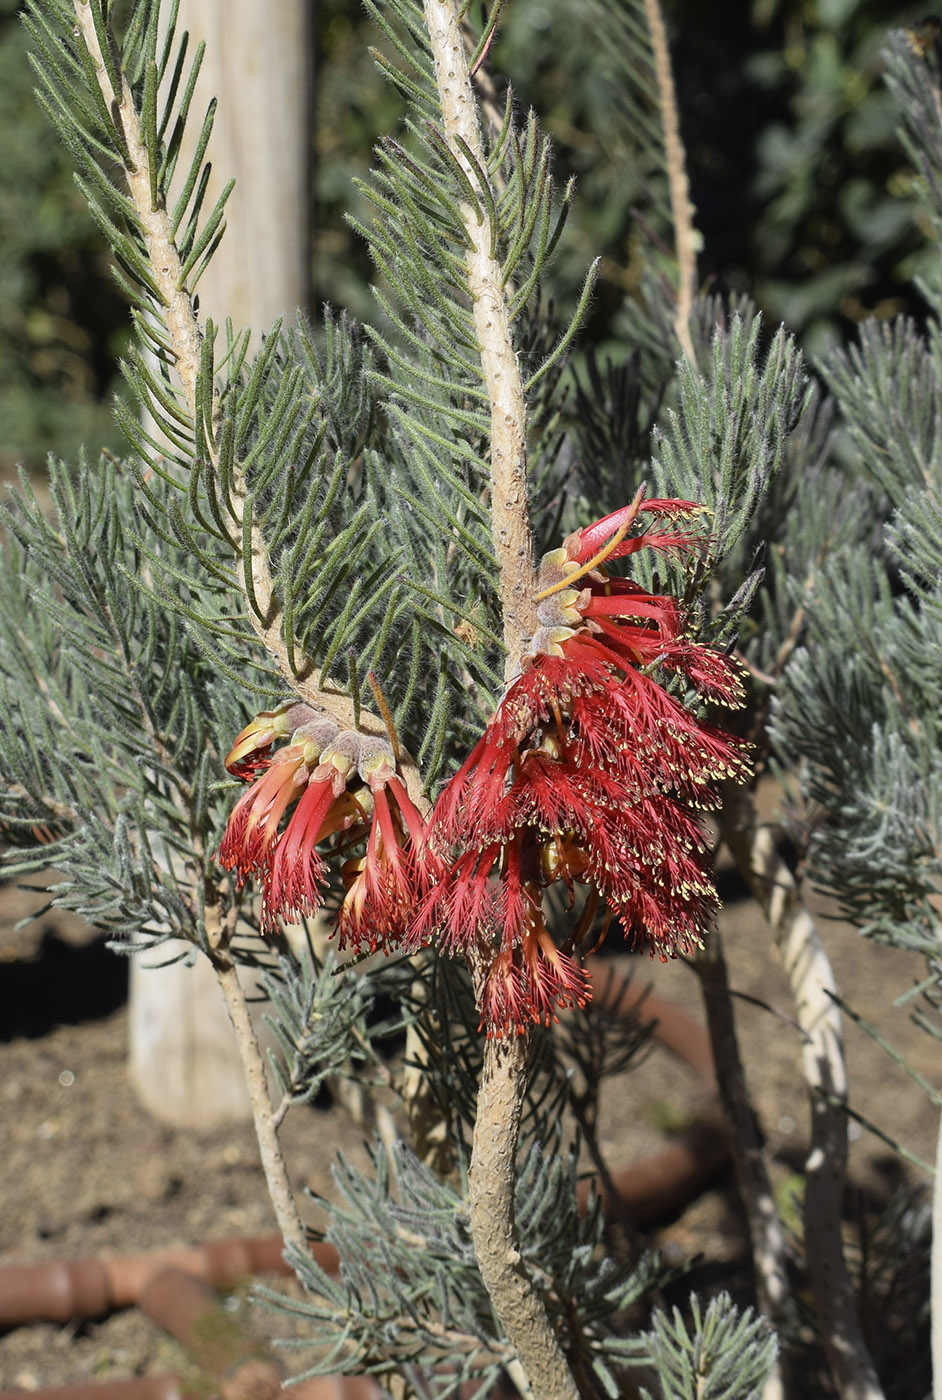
<point>313,773</point>
<point>295,882</point>
<point>590,772</point>
<point>487,898</point>
<point>583,544</point>
<point>383,885</point>
<point>252,829</point>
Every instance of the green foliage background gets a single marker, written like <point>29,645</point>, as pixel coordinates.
<point>801,191</point>
<point>62,319</point>
<point>802,194</point>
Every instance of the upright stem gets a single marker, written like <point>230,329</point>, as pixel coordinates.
<point>766,1235</point>
<point>253,1065</point>
<point>510,517</point>
<point>811,979</point>
<point>516,1299</point>
<point>678,186</point>
<point>936,1269</point>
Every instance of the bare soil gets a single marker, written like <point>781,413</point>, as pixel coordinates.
<point>85,1171</point>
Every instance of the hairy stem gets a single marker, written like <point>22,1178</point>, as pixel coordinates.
<point>510,518</point>
<point>813,987</point>
<point>162,253</point>
<point>491,1180</point>
<point>253,1065</point>
<point>516,1299</point>
<point>679,189</point>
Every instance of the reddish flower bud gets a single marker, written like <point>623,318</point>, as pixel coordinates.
<point>252,750</point>
<point>313,773</point>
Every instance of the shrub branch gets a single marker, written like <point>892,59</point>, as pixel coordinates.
<point>517,1300</point>
<point>813,987</point>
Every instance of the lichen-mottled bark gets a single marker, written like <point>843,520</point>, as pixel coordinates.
<point>514,1294</point>
<point>812,983</point>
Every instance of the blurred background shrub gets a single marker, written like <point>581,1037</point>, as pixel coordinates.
<point>62,319</point>
<point>801,190</point>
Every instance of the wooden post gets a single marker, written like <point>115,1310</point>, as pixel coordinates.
<point>183,1062</point>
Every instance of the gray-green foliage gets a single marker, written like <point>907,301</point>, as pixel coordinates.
<point>113,715</point>
<point>318,1019</point>
<point>858,712</point>
<point>912,73</point>
<point>350,464</point>
<point>724,1355</point>
<point>739,432</point>
<point>860,700</point>
<point>408,1264</point>
<point>364,474</point>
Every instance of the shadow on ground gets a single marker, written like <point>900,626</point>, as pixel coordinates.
<point>61,985</point>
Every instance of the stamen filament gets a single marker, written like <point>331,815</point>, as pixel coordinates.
<point>603,553</point>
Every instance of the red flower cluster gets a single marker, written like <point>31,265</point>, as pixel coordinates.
<point>588,775</point>
<point>338,781</point>
<point>586,781</point>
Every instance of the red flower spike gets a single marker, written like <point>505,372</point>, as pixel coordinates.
<point>589,773</point>
<point>313,772</point>
<point>384,886</point>
<point>252,828</point>
<point>293,887</point>
<point>459,900</point>
<point>530,979</point>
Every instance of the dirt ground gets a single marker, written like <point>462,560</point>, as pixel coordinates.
<point>85,1171</point>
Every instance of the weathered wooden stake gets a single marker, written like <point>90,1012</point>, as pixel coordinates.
<point>183,1061</point>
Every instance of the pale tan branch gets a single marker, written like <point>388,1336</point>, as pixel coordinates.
<point>253,1064</point>
<point>510,519</point>
<point>163,257</point>
<point>491,1181</point>
<point>56,811</point>
<point>514,1293</point>
<point>766,1235</point>
<point>685,244</point>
